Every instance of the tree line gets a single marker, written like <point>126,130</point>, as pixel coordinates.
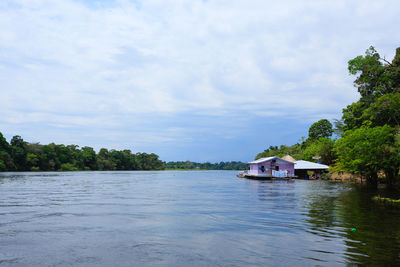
<point>189,165</point>
<point>368,134</point>
<point>19,155</point>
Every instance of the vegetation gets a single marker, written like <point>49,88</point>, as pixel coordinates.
<point>367,151</point>
<point>23,156</point>
<point>387,200</point>
<point>369,130</point>
<point>19,155</point>
<point>370,144</point>
<point>318,145</point>
<point>188,165</point>
<point>320,129</point>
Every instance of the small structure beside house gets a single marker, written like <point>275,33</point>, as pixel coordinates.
<point>302,167</point>
<point>271,167</point>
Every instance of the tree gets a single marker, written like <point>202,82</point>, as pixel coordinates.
<point>18,152</point>
<point>321,128</point>
<point>6,162</point>
<point>367,151</point>
<point>88,158</point>
<point>294,150</point>
<point>323,148</point>
<point>386,110</point>
<point>339,127</point>
<point>376,77</point>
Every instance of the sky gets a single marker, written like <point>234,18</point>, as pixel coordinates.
<point>187,80</point>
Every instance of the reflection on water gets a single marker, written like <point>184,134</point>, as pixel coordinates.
<point>202,218</point>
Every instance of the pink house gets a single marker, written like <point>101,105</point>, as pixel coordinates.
<point>271,167</point>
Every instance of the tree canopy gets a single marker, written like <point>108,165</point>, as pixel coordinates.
<point>23,156</point>
<point>322,128</point>
<point>367,151</point>
<point>19,155</point>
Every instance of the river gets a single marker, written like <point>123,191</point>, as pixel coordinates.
<point>190,218</point>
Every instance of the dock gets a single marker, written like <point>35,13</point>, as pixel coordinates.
<point>264,177</point>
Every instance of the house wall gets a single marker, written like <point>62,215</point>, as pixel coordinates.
<point>255,169</point>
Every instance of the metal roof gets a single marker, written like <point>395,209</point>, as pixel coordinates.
<point>266,159</point>
<point>308,165</point>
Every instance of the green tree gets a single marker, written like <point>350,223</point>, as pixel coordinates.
<point>32,161</point>
<point>339,127</point>
<point>18,152</point>
<point>322,128</point>
<point>376,77</point>
<point>6,162</point>
<point>103,160</point>
<point>321,148</point>
<point>89,158</point>
<point>385,111</point>
<point>367,151</point>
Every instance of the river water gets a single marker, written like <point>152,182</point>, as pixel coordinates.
<point>190,218</point>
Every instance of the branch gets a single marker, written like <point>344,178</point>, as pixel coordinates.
<point>384,59</point>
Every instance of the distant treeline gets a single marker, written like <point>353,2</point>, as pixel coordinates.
<point>19,155</point>
<point>189,165</point>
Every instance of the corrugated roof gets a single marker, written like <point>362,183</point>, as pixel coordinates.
<point>260,160</point>
<point>308,165</point>
<point>266,159</point>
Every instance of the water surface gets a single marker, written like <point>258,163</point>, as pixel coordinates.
<point>190,218</point>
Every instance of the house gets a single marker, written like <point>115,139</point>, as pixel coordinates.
<point>270,167</point>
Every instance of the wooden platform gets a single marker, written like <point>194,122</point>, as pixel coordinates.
<point>263,177</point>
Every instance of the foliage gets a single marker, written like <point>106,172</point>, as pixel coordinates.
<point>294,150</point>
<point>26,156</point>
<point>23,156</point>
<point>378,83</point>
<point>189,165</point>
<point>68,167</point>
<point>321,148</point>
<point>5,157</point>
<point>375,115</point>
<point>339,127</point>
<point>320,129</point>
<point>385,111</point>
<point>387,200</point>
<point>367,151</point>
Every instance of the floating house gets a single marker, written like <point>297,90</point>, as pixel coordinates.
<point>271,167</point>
<point>286,167</point>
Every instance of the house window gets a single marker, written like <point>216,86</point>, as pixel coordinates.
<point>262,169</point>
<point>276,168</point>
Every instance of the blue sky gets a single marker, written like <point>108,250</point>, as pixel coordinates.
<point>188,80</point>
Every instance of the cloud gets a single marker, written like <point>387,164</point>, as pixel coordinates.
<point>98,64</point>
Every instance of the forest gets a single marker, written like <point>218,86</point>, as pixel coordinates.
<point>188,165</point>
<point>19,155</point>
<point>367,136</point>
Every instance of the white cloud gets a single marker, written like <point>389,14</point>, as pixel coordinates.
<point>88,63</point>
